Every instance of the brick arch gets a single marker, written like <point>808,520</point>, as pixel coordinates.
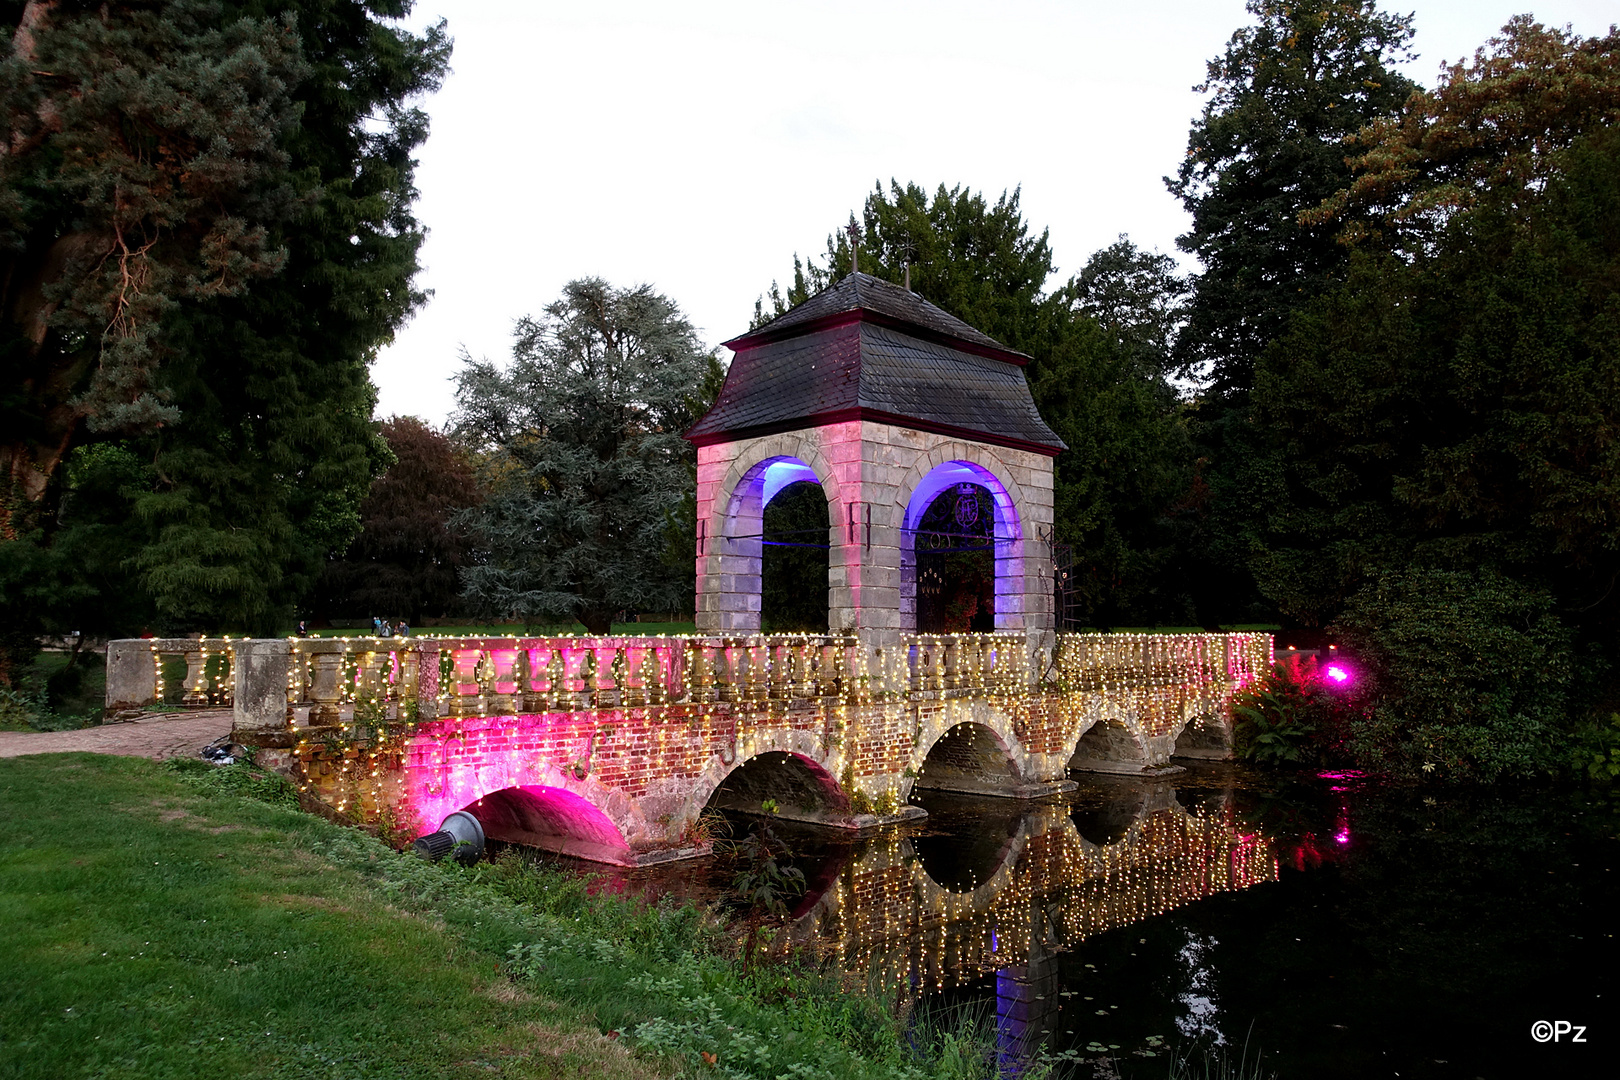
<point>979,713</point>
<point>824,763</point>
<point>532,802</point>
<point>1115,735</point>
<point>1012,523</point>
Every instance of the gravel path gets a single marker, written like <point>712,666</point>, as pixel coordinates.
<point>159,735</point>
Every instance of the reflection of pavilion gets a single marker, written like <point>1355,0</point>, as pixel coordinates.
<point>1048,888</point>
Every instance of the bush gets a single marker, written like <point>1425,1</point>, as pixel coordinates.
<point>1473,675</point>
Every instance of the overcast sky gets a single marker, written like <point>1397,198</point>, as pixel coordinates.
<point>696,146</point>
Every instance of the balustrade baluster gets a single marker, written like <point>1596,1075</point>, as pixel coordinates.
<point>757,675</point>
<point>196,684</point>
<point>652,679</point>
<point>410,682</point>
<point>700,666</point>
<point>612,694</point>
<point>826,668</point>
<point>464,681</point>
<point>326,688</point>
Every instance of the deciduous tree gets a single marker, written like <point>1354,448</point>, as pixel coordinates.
<point>408,557</point>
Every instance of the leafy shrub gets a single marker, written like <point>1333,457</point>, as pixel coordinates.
<point>1271,721</point>
<point>1597,748</point>
<point>244,780</point>
<point>1473,670</point>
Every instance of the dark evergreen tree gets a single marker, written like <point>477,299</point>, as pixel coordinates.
<point>1286,95</point>
<point>219,326</point>
<point>1450,469</point>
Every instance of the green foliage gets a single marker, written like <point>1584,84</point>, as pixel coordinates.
<point>1597,748</point>
<point>156,930</point>
<point>1474,675</point>
<point>585,465</point>
<point>242,780</point>
<point>764,883</point>
<point>1284,96</point>
<point>227,359</point>
<point>1446,477</point>
<point>1271,722</point>
<point>408,556</point>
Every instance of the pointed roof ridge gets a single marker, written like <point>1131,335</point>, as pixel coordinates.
<point>863,296</point>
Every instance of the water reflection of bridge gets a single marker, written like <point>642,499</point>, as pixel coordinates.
<point>912,911</point>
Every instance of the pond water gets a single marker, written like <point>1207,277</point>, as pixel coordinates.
<point>1338,928</point>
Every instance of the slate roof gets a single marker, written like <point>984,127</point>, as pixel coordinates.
<point>865,348</point>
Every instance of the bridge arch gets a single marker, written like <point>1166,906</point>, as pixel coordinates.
<point>968,746</point>
<point>1110,739</point>
<point>785,764</point>
<point>536,804</point>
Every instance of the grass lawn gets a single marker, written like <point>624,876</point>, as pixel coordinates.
<point>168,921</point>
<point>153,930</point>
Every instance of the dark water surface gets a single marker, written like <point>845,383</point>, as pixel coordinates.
<point>1342,929</point>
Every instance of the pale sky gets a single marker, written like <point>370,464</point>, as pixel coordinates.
<point>696,146</point>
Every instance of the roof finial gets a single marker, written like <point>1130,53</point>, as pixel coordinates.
<point>854,245</point>
<point>908,275</point>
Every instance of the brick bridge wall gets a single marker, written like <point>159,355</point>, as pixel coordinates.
<point>611,749</point>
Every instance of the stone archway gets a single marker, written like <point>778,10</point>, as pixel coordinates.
<point>934,474</point>
<point>731,524</point>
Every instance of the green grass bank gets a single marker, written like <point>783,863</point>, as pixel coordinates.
<point>181,920</point>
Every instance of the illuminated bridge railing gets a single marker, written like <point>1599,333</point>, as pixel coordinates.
<point>330,680</point>
<point>418,678</point>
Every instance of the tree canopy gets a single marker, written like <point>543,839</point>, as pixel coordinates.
<point>1284,96</point>
<point>407,560</point>
<point>1447,416</point>
<point>586,468</point>
<point>227,191</point>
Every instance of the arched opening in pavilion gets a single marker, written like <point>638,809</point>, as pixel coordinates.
<point>956,550</point>
<point>794,560</point>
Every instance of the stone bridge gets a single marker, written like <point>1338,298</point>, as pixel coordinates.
<point>612,748</point>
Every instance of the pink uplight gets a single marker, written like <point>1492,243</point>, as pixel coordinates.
<point>1338,674</point>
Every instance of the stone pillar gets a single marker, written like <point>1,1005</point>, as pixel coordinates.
<point>131,677</point>
<point>260,686</point>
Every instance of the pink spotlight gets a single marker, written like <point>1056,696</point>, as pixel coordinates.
<point>1338,674</point>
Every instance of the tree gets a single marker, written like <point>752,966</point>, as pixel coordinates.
<point>246,395</point>
<point>145,166</point>
<point>409,554</point>
<point>587,470</point>
<point>974,258</point>
<point>1447,415</point>
<point>1285,96</point>
<point>1099,344</point>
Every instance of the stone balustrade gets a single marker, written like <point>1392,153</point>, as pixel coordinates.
<point>372,680</point>
<point>136,679</point>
